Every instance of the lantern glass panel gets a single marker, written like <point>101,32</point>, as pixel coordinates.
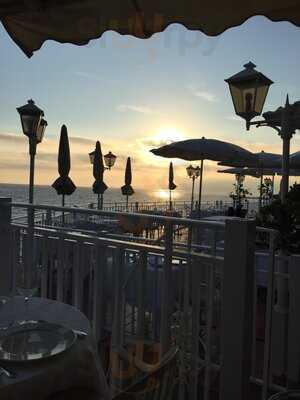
<point>261,95</point>
<point>30,124</point>
<point>41,130</point>
<point>92,157</point>
<point>190,171</point>
<point>110,159</point>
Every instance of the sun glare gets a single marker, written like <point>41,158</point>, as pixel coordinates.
<point>163,194</point>
<point>169,135</point>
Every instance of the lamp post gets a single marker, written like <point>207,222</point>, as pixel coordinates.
<point>33,126</point>
<point>109,160</point>
<point>268,189</point>
<point>200,172</point>
<point>239,184</point>
<point>193,173</point>
<point>249,89</point>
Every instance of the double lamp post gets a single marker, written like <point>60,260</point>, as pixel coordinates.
<point>194,173</point>
<point>109,160</point>
<point>249,89</point>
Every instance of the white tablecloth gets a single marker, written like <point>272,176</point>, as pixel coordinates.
<point>77,367</point>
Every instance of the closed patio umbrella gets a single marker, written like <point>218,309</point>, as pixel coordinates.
<point>64,185</point>
<point>204,149</point>
<point>127,189</point>
<point>172,185</point>
<point>99,186</point>
<point>31,23</point>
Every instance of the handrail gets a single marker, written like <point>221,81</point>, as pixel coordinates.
<point>157,218</point>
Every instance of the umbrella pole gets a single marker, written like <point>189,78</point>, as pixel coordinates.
<point>102,201</point>
<point>98,201</point>
<point>192,198</point>
<point>273,181</point>
<point>170,199</point>
<point>63,214</point>
<point>127,203</point>
<point>260,191</point>
<point>200,188</point>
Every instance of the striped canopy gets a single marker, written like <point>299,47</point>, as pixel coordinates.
<point>31,22</point>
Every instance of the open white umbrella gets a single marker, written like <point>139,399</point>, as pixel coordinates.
<point>295,161</point>
<point>204,149</point>
<point>262,163</point>
<point>30,23</point>
<point>241,171</point>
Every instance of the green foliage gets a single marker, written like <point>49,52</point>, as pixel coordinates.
<point>285,218</point>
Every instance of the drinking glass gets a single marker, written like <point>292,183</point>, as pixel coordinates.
<point>28,286</point>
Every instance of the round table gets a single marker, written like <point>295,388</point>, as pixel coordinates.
<point>78,367</point>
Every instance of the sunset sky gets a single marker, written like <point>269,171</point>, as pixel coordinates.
<point>134,95</point>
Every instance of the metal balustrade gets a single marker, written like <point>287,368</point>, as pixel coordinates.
<point>201,296</point>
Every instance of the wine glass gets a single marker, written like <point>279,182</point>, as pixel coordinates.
<point>28,284</point>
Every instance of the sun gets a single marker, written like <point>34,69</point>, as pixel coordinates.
<point>169,135</point>
<point>164,194</point>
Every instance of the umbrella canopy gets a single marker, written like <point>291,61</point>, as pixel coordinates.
<point>295,160</point>
<point>31,23</point>
<point>261,160</point>
<point>204,149</point>
<point>64,184</point>
<point>172,185</point>
<point>240,171</point>
<point>99,186</point>
<point>127,189</point>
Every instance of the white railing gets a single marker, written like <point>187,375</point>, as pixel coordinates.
<point>199,294</point>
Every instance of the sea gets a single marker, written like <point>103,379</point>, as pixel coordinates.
<point>83,196</point>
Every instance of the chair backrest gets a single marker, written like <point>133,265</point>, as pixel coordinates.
<point>289,394</point>
<point>158,385</point>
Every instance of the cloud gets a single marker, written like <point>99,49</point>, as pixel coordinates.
<point>138,109</point>
<point>233,118</point>
<point>148,142</point>
<point>81,140</point>
<point>8,138</point>
<point>203,94</point>
<point>87,75</point>
<point>206,96</point>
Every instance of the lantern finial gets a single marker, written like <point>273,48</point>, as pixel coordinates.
<point>250,65</point>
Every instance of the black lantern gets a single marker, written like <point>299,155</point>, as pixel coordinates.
<point>31,119</point>
<point>41,130</point>
<point>249,89</point>
<point>190,171</point>
<point>92,156</point>
<point>239,178</point>
<point>110,159</point>
<point>197,171</point>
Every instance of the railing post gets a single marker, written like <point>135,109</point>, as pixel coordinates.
<point>165,331</point>
<point>294,321</point>
<point>141,296</point>
<point>5,246</point>
<point>237,305</point>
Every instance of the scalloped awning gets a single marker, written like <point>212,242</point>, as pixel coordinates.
<point>31,22</point>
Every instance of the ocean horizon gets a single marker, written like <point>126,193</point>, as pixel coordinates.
<point>83,196</point>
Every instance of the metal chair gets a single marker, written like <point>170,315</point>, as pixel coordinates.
<point>157,384</point>
<point>289,394</point>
